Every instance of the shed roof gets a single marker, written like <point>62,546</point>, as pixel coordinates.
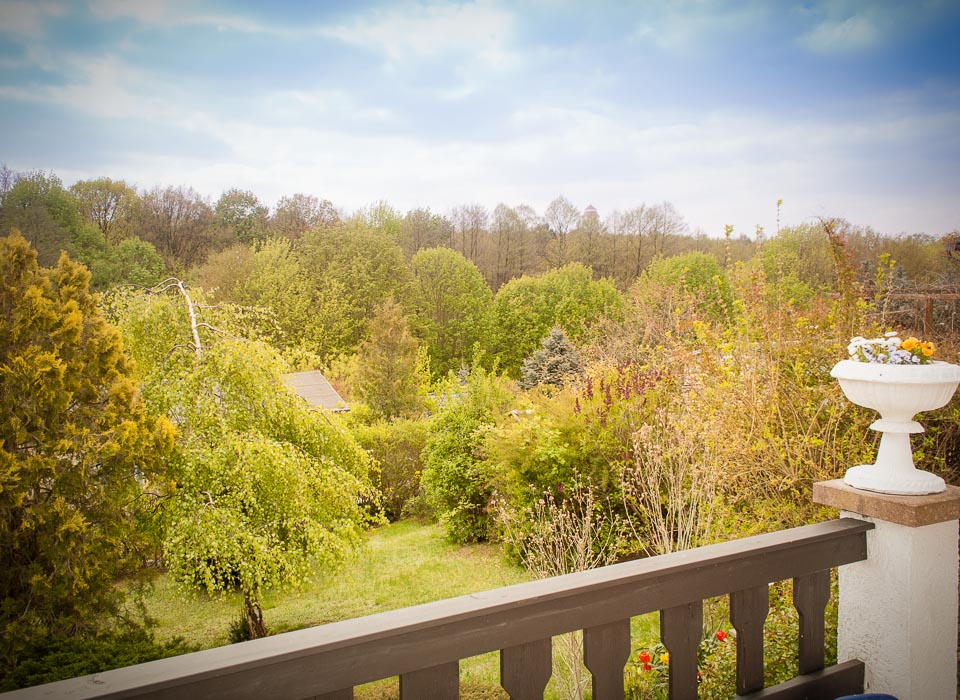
<point>316,390</point>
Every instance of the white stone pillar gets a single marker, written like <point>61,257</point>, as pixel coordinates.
<point>898,608</point>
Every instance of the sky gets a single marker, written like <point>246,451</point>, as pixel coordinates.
<point>846,108</point>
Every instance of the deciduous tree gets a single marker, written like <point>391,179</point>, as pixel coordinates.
<point>241,214</point>
<point>47,215</point>
<point>108,204</point>
<point>267,487</point>
<point>526,308</point>
<point>350,271</point>
<point>297,214</point>
<point>561,218</point>
<point>422,229</point>
<point>452,307</point>
<point>178,221</point>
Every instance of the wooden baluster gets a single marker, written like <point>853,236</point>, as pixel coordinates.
<point>680,631</point>
<point>346,694</point>
<point>525,669</point>
<point>440,682</point>
<point>810,596</point>
<point>748,611</point>
<point>606,649</point>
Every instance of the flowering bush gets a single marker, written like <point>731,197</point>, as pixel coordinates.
<point>648,670</point>
<point>890,350</point>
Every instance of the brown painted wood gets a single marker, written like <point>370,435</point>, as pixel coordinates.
<point>336,695</point>
<point>748,612</point>
<point>435,683</point>
<point>810,596</point>
<point>831,682</point>
<point>606,649</point>
<point>681,629</point>
<point>330,657</point>
<point>525,669</point>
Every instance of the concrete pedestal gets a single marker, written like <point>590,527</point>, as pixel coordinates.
<point>898,609</point>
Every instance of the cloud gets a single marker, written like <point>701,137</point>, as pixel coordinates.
<point>153,12</point>
<point>25,18</point>
<point>418,31</point>
<point>104,87</point>
<point>697,26</point>
<point>307,106</point>
<point>169,13</point>
<point>855,33</point>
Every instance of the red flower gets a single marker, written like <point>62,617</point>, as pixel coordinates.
<point>647,667</point>
<point>644,658</point>
<point>721,635</point>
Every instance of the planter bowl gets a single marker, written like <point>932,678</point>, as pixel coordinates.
<point>897,393</point>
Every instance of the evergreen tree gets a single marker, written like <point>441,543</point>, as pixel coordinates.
<point>80,460</point>
<point>390,372</point>
<point>553,363</point>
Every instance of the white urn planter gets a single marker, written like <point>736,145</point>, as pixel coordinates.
<point>898,393</point>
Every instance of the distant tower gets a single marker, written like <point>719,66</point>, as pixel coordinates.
<point>590,212</point>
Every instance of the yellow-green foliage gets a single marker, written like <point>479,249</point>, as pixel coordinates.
<point>396,446</point>
<point>80,458</point>
<point>761,383</point>
<point>457,480</point>
<point>676,396</point>
<point>265,485</point>
<point>526,308</point>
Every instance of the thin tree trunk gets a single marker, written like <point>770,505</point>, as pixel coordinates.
<point>254,615</point>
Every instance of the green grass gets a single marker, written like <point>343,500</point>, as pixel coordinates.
<point>402,564</point>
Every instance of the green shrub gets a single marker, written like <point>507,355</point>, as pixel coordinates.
<point>697,274</point>
<point>549,447</point>
<point>397,446</point>
<point>54,658</point>
<point>456,478</point>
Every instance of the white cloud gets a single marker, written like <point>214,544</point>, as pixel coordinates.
<point>697,26</point>
<point>168,13</point>
<point>855,33</point>
<point>306,106</point>
<point>478,28</point>
<point>153,12</point>
<point>104,87</point>
<point>26,18</point>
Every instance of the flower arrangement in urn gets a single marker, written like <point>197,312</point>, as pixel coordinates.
<point>899,379</point>
<point>891,350</point>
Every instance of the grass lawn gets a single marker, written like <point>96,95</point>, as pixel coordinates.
<point>403,564</point>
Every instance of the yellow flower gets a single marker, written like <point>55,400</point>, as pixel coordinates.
<point>910,343</point>
<point>928,349</point>
<point>665,657</point>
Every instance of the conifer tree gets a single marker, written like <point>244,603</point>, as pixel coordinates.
<point>79,457</point>
<point>390,371</point>
<point>552,364</point>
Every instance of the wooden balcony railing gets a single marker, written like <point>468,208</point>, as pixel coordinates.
<point>423,644</point>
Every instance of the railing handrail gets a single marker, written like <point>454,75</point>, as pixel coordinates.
<point>343,654</point>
